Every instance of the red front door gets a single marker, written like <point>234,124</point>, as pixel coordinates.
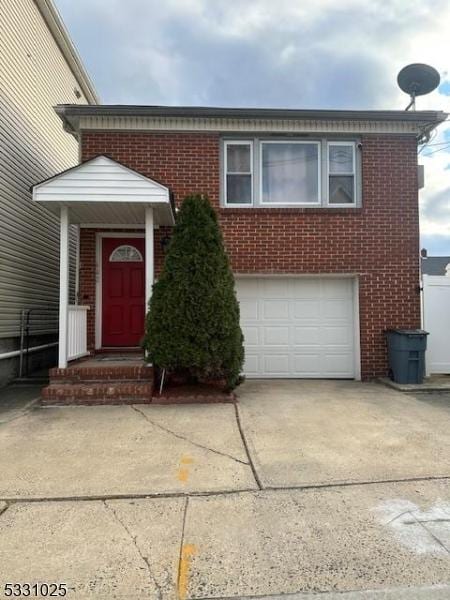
<point>123,291</point>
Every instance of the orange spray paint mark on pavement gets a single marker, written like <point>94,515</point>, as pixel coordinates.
<point>183,471</point>
<point>187,552</point>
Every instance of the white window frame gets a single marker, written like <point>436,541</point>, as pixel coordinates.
<point>319,182</point>
<point>226,173</point>
<point>353,174</point>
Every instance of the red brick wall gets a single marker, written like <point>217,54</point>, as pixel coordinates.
<point>379,242</point>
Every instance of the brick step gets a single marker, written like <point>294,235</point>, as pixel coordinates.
<point>90,382</point>
<point>104,373</point>
<point>114,392</point>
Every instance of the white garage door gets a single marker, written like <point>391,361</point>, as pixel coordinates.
<point>297,327</point>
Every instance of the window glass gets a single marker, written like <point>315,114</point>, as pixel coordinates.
<point>238,158</point>
<point>239,189</point>
<point>341,159</point>
<point>341,189</point>
<point>239,179</point>
<point>125,254</point>
<point>290,173</point>
<point>341,174</point>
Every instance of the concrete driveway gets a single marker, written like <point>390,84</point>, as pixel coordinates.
<point>337,488</point>
<point>321,432</point>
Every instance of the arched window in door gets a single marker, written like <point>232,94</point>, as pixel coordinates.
<point>125,253</point>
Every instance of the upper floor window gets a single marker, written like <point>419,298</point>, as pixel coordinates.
<point>239,173</point>
<point>289,172</point>
<point>341,173</point>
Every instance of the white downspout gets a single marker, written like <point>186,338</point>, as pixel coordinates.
<point>149,255</point>
<point>63,287</point>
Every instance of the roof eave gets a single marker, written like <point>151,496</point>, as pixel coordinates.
<point>421,121</point>
<point>248,113</point>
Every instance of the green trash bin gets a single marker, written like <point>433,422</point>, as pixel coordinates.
<point>406,354</point>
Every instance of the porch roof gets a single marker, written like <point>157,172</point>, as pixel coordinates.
<point>101,190</point>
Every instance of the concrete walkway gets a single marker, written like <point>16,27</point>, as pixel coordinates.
<point>339,489</point>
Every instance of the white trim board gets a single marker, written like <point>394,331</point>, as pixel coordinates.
<point>113,226</point>
<point>230,124</point>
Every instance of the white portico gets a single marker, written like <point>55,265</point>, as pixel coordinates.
<point>100,193</point>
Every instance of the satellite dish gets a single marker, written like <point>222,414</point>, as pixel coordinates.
<point>417,80</point>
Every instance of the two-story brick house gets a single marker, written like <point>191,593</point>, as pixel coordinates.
<point>319,212</point>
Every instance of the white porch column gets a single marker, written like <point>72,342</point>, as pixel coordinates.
<point>63,287</point>
<point>149,255</point>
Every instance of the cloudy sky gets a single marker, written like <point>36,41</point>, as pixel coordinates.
<point>274,53</point>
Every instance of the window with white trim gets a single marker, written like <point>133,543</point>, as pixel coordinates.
<point>239,173</point>
<point>288,172</point>
<point>341,173</point>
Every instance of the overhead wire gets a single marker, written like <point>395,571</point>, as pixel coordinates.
<point>438,150</point>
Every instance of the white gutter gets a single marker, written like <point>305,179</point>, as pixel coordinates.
<point>56,26</point>
<point>14,353</point>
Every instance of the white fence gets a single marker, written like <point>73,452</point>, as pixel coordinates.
<point>436,320</point>
<point>77,332</point>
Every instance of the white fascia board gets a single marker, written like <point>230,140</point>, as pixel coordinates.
<point>234,125</point>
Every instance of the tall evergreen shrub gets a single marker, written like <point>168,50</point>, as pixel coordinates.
<point>193,322</point>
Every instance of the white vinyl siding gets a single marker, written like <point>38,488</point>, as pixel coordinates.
<point>34,77</point>
<point>101,190</point>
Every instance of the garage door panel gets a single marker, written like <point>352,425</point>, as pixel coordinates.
<point>270,288</point>
<point>249,309</point>
<point>248,288</point>
<point>337,288</point>
<point>276,364</point>
<point>275,336</point>
<point>251,335</point>
<point>275,309</point>
<point>251,366</point>
<point>338,364</point>
<point>337,335</point>
<point>305,288</point>
<point>305,309</point>
<point>306,365</point>
<point>302,336</point>
<point>297,327</point>
<point>336,309</point>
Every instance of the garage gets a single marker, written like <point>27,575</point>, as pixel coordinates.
<point>299,327</point>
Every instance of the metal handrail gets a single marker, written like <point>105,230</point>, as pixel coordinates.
<point>28,329</point>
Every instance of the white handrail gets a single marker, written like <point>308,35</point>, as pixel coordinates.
<point>77,332</point>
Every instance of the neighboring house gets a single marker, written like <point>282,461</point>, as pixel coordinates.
<point>435,265</point>
<point>319,212</point>
<point>39,69</point>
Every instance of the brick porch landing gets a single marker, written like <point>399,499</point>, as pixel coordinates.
<point>102,379</point>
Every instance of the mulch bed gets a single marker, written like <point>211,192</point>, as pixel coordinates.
<point>199,393</point>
